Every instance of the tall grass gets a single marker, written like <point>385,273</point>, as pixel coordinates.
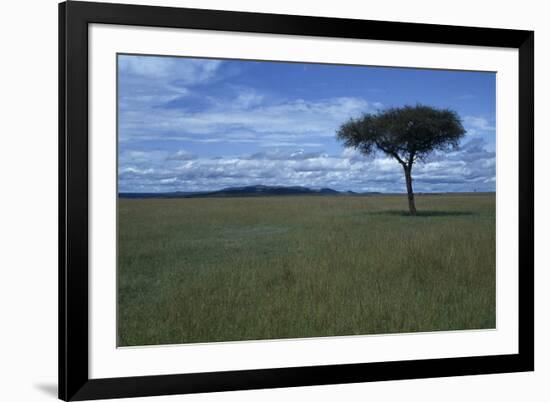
<point>206,270</point>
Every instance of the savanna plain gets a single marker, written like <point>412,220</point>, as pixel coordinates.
<point>229,269</point>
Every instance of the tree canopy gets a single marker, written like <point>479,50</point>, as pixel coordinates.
<point>407,134</point>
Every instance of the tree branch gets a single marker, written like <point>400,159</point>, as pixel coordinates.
<point>392,153</point>
<point>411,157</point>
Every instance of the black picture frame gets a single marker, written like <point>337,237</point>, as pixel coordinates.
<point>74,381</point>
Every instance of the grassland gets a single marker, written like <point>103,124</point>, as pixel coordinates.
<point>225,269</point>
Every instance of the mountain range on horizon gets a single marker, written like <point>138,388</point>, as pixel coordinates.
<point>243,191</point>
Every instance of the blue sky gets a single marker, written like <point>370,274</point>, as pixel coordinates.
<point>188,124</point>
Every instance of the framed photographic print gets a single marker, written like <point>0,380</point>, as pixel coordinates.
<point>256,200</point>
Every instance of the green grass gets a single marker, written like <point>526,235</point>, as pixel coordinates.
<point>207,270</point>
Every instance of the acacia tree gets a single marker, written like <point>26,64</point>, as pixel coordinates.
<point>407,134</point>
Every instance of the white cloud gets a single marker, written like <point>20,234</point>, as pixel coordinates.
<point>478,123</point>
<point>248,98</point>
<point>145,82</point>
<point>244,118</point>
<point>186,71</point>
<point>181,155</point>
<point>470,168</point>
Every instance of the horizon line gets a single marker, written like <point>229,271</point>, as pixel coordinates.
<point>309,188</point>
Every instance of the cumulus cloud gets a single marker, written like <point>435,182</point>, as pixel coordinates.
<point>467,169</point>
<point>181,155</point>
<point>286,154</point>
<point>478,123</point>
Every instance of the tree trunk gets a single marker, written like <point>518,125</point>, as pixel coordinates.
<point>410,194</point>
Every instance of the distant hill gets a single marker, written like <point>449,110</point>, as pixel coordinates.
<point>246,191</point>
<point>177,194</point>
<point>264,190</point>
